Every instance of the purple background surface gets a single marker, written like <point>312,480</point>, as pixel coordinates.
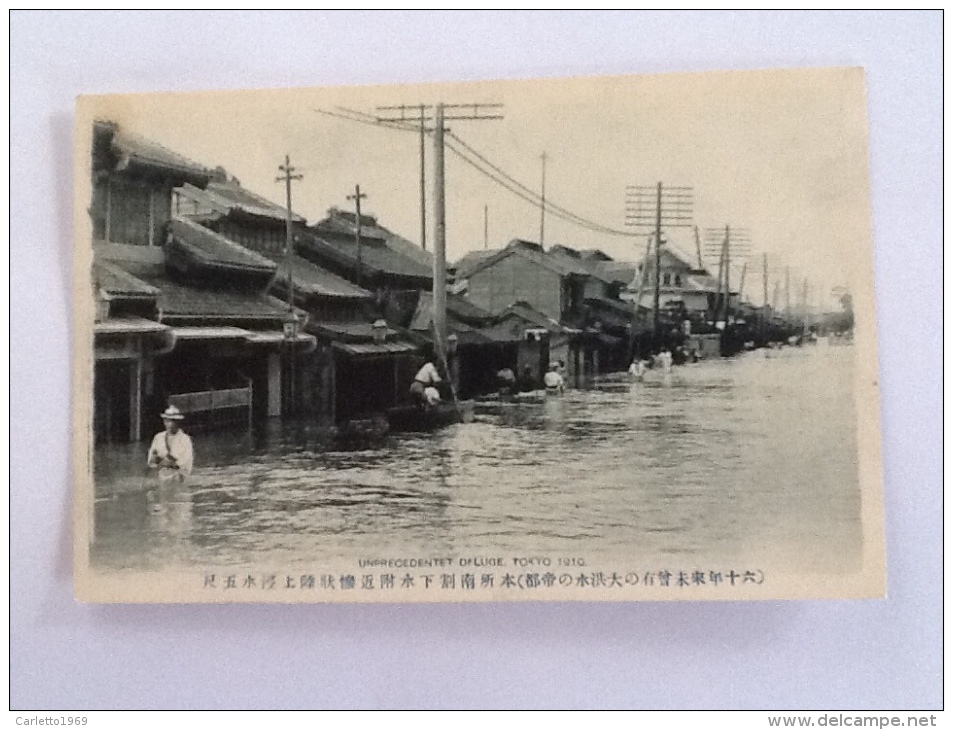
<point>798,655</point>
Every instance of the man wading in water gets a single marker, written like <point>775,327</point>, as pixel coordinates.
<point>171,450</point>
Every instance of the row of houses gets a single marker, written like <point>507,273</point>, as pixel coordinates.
<point>199,305</point>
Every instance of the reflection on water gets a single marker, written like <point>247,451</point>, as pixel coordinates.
<point>751,458</point>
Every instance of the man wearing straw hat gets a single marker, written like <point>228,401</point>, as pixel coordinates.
<point>171,450</point>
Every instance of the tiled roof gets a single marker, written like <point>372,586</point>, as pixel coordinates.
<point>465,309</point>
<point>408,248</point>
<point>121,284</point>
<point>611,304</point>
<point>343,222</point>
<point>206,248</point>
<point>179,299</point>
<point>579,266</point>
<point>457,307</point>
<point>470,260</point>
<point>561,264</point>
<point>226,197</point>
<point>130,148</point>
<point>619,272</point>
<point>530,314</point>
<point>374,348</point>
<point>376,256</point>
<point>594,254</point>
<point>312,280</point>
<point>349,331</point>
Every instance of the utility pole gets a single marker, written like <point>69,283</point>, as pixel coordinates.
<point>357,197</point>
<point>419,119</point>
<point>651,207</point>
<point>643,273</point>
<point>440,237</point>
<point>423,181</point>
<point>420,115</point>
<point>457,112</point>
<point>731,242</point>
<point>486,227</point>
<point>542,207</point>
<point>727,274</point>
<point>721,280</point>
<point>658,259</point>
<point>287,175</point>
<point>764,284</point>
<point>804,313</point>
<point>698,249</point>
<point>776,298</point>
<point>787,292</point>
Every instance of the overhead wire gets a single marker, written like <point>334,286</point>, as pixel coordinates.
<point>481,163</point>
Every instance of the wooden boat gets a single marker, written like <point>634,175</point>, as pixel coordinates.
<point>418,418</point>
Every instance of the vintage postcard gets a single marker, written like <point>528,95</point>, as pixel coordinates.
<point>593,339</point>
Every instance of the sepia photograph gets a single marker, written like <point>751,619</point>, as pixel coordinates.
<point>582,339</point>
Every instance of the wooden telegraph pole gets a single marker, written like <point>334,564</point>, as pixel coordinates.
<point>787,292</point>
<point>764,285</point>
<point>730,243</point>
<point>423,179</point>
<point>457,112</point>
<point>654,207</point>
<point>440,236</point>
<point>287,175</point>
<point>727,274</point>
<point>402,114</point>
<point>357,198</point>
<point>542,206</point>
<point>698,250</point>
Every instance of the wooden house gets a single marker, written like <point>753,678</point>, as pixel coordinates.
<point>681,282</point>
<point>478,349</point>
<point>381,263</point>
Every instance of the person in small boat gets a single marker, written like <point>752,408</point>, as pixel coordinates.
<point>171,451</point>
<point>553,380</point>
<point>427,378</point>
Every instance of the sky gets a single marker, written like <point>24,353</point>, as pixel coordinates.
<point>780,154</point>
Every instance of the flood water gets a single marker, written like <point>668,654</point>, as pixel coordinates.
<point>752,457</point>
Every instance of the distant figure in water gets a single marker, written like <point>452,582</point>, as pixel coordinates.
<point>553,380</point>
<point>506,379</point>
<point>171,451</point>
<point>637,370</point>
<point>664,359</point>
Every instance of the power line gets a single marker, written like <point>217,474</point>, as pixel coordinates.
<point>537,199</point>
<point>498,175</point>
